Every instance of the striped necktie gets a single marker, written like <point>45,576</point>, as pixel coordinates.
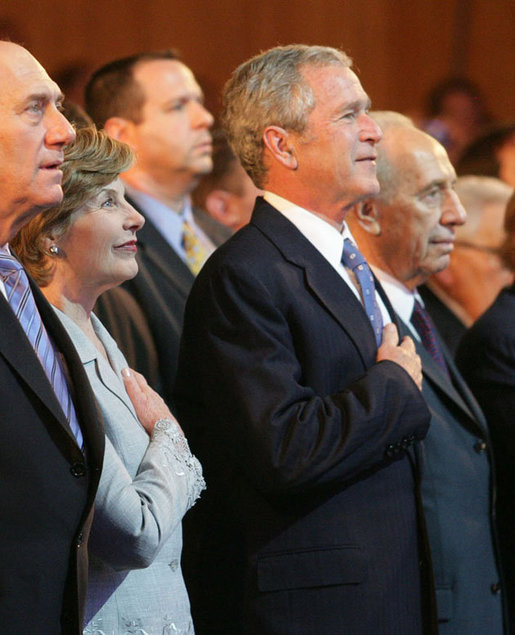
<point>425,328</point>
<point>196,254</point>
<point>24,306</point>
<point>353,259</point>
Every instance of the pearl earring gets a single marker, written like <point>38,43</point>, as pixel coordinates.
<point>54,250</point>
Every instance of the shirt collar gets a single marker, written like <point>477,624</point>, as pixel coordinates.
<point>322,235</point>
<point>402,298</point>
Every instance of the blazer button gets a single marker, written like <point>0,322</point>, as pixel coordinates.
<point>390,451</point>
<point>78,469</point>
<point>480,446</point>
<point>495,588</point>
<point>80,538</point>
<point>174,565</point>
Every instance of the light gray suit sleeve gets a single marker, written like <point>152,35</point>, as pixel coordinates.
<point>135,516</point>
<point>147,485</point>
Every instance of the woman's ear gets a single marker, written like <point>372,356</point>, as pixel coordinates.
<point>49,246</point>
<point>367,216</point>
<point>279,144</point>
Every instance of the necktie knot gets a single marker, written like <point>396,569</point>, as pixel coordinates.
<point>352,256</point>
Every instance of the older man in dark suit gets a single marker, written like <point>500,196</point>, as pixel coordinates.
<point>407,234</point>
<point>305,411</point>
<point>51,441</point>
<point>153,102</point>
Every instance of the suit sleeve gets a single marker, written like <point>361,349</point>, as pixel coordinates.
<point>242,383</point>
<point>134,517</point>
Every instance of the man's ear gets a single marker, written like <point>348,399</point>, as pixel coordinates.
<point>216,204</point>
<point>280,145</point>
<point>119,128</point>
<point>222,205</point>
<point>367,216</point>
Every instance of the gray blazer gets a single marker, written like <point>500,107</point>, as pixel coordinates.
<point>146,487</point>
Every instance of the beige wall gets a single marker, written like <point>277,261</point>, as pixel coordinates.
<point>400,47</point>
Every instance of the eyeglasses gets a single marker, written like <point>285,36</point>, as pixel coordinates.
<point>484,248</point>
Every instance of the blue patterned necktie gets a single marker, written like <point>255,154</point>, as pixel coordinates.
<point>24,306</point>
<point>353,259</point>
<point>425,328</point>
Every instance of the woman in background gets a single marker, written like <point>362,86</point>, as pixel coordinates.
<point>149,479</point>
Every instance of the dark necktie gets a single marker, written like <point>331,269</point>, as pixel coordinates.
<point>22,303</point>
<point>353,259</point>
<point>425,328</point>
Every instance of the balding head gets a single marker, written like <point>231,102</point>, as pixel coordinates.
<point>408,229</point>
<point>33,134</point>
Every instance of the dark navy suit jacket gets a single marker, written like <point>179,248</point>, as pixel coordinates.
<point>309,523</point>
<point>486,357</point>
<point>47,486</point>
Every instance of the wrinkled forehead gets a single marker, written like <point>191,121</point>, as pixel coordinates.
<point>21,73</point>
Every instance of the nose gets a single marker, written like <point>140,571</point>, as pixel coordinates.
<point>134,221</point>
<point>200,116</point>
<point>453,212</point>
<point>60,131</point>
<point>369,130</point>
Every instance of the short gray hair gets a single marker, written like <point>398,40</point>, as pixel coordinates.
<point>267,90</point>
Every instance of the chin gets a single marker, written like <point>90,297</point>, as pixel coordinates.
<point>51,198</point>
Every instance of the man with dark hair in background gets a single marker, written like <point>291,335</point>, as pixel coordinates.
<point>406,232</point>
<point>152,102</point>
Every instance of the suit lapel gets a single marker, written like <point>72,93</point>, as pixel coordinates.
<point>88,354</point>
<point>455,390</point>
<point>321,278</point>
<point>18,351</point>
<point>110,376</point>
<point>153,247</point>
<point>85,405</point>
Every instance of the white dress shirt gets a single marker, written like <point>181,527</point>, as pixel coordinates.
<point>326,239</point>
<point>402,298</point>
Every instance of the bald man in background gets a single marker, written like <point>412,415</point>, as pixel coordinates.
<point>406,233</point>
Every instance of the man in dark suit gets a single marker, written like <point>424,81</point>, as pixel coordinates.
<point>49,462</point>
<point>153,102</point>
<point>407,233</point>
<point>306,428</point>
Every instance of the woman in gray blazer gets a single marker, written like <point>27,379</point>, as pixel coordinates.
<point>149,479</point>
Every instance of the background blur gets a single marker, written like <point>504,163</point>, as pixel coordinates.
<point>400,48</point>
